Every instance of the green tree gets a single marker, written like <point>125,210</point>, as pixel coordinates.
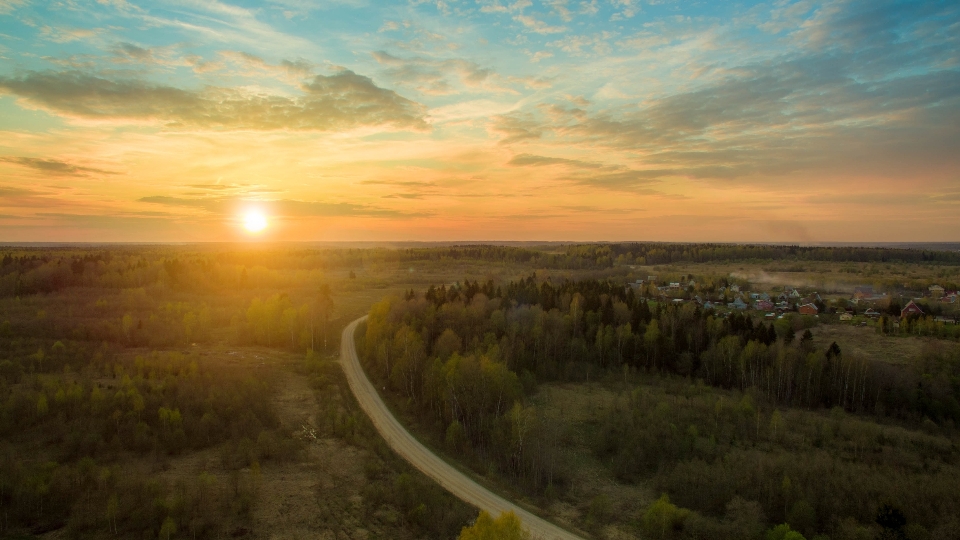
<point>113,504</point>
<point>42,406</point>
<point>783,532</point>
<point>168,528</point>
<point>776,420</point>
<point>664,519</point>
<point>506,527</point>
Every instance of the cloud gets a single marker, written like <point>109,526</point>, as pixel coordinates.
<point>336,102</point>
<point>886,108</point>
<point>131,52</point>
<point>587,209</point>
<point>530,160</point>
<point>430,76</point>
<point>281,207</point>
<point>8,6</point>
<point>297,69</point>
<point>66,35</point>
<point>540,55</point>
<point>225,23</point>
<point>14,192</point>
<point>54,167</point>
<point>589,173</point>
<point>517,127</point>
<point>403,196</point>
<point>575,45</point>
<point>538,26</point>
<point>389,26</point>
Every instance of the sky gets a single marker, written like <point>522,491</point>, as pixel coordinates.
<point>579,120</point>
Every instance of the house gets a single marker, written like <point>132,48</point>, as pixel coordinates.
<point>708,305</point>
<point>945,320</point>
<point>808,309</point>
<point>652,279</point>
<point>764,296</point>
<point>783,306</point>
<point>846,316</point>
<point>734,288</point>
<point>763,305</point>
<point>872,313</point>
<point>860,293</point>
<point>754,296</point>
<point>794,294</point>
<point>911,309</point>
<point>770,316</point>
<point>783,297</point>
<point>949,298</point>
<point>737,304</point>
<point>936,291</point>
<point>675,285</point>
<point>638,284</point>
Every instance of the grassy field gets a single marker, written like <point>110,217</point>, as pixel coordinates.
<point>866,341</point>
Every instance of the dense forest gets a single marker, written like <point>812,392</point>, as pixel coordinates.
<point>464,358</point>
<point>82,409</point>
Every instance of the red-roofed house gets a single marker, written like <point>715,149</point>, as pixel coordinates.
<point>911,309</point>
<point>808,309</point>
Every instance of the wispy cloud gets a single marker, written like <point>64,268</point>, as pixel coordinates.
<point>590,173</point>
<point>280,207</point>
<point>55,167</point>
<point>8,6</point>
<point>537,26</point>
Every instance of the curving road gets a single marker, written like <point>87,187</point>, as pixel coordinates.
<point>422,458</point>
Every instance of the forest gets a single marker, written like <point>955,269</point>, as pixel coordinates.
<point>145,392</point>
<point>140,396</point>
<point>466,361</point>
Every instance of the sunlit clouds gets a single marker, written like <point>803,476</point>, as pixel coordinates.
<point>793,121</point>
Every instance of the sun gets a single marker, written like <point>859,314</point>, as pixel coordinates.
<point>254,221</point>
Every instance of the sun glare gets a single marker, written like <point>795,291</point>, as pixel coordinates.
<point>254,222</point>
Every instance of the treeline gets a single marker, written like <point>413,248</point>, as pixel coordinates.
<point>25,271</point>
<point>665,253</point>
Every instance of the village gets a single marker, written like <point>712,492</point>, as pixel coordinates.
<point>865,306</point>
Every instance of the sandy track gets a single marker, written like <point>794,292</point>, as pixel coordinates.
<point>404,444</point>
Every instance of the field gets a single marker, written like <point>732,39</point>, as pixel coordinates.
<point>866,341</point>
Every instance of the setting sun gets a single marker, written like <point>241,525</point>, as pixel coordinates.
<point>254,222</point>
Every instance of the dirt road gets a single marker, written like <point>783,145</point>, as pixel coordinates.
<point>422,458</point>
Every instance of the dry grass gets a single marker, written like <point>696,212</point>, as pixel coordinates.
<point>865,341</point>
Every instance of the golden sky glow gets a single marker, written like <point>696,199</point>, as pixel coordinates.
<point>795,121</point>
